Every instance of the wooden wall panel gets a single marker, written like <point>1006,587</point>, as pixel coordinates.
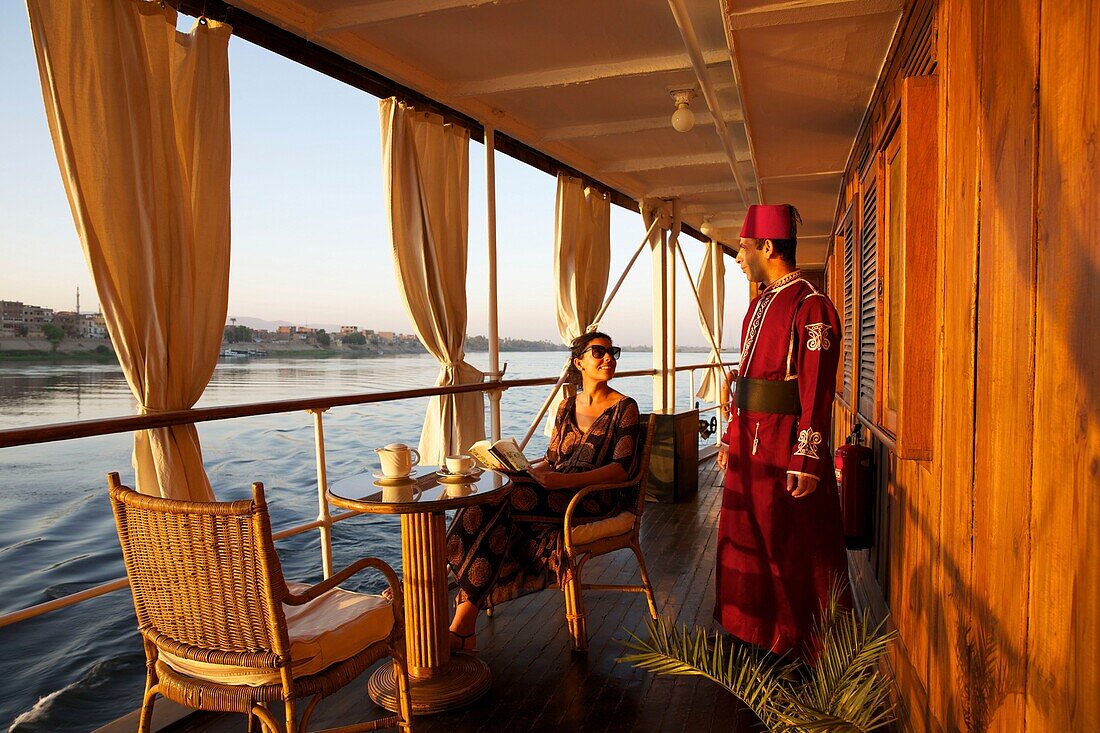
<point>949,680</point>
<point>1063,672</point>
<point>986,554</point>
<point>1005,358</point>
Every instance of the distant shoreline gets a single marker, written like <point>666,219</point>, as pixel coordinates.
<point>98,351</point>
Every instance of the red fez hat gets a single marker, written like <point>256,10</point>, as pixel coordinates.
<point>771,221</point>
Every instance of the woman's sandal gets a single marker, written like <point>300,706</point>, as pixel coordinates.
<point>462,642</point>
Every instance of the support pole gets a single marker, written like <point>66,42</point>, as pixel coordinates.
<point>491,236</point>
<point>595,321</point>
<point>323,517</point>
<point>716,256</point>
<point>618,284</point>
<point>659,268</point>
<point>699,302</point>
<point>545,405</point>
<point>673,242</point>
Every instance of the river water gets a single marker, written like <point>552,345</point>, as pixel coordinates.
<point>81,667</point>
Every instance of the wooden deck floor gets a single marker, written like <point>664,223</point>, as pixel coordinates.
<point>539,684</point>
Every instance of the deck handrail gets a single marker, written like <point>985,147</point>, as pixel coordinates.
<point>105,426</point>
<point>53,432</point>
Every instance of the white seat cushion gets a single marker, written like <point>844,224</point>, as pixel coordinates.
<point>334,627</point>
<point>618,524</point>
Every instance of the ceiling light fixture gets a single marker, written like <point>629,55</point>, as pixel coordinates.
<point>707,229</point>
<point>683,119</point>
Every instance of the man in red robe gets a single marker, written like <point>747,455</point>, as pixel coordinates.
<point>780,537</point>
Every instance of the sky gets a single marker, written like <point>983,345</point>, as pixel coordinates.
<point>309,238</point>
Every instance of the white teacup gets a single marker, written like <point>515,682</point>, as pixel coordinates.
<point>460,463</point>
<point>397,459</point>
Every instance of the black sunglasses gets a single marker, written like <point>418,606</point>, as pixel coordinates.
<point>600,352</point>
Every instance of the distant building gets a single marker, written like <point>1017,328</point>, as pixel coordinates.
<point>69,322</point>
<point>37,316</point>
<point>11,317</point>
<point>93,326</point>
<point>18,318</point>
<point>386,336</point>
<point>349,329</point>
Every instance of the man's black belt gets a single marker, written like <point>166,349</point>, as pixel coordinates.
<point>767,395</point>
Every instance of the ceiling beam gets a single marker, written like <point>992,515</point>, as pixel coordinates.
<point>708,209</point>
<point>725,222</point>
<point>808,11</point>
<point>670,192</point>
<point>622,127</point>
<point>800,176</point>
<point>584,73</point>
<point>632,165</point>
<point>361,14</point>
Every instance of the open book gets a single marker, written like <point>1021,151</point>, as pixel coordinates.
<point>503,455</point>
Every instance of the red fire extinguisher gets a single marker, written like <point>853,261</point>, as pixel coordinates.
<point>855,481</point>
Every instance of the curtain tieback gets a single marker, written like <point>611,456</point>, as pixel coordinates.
<point>146,410</point>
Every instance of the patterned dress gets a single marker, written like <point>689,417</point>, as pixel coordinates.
<point>502,551</point>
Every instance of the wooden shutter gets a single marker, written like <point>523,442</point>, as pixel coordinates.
<point>848,358</point>
<point>868,296</point>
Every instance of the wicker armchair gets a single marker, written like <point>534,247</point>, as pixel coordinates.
<point>588,540</point>
<point>222,629</point>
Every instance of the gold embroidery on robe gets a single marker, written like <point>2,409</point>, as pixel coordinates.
<point>808,440</point>
<point>818,337</point>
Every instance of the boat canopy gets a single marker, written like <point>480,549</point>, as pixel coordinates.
<point>778,89</point>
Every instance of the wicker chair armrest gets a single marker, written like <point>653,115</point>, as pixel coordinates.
<point>315,591</point>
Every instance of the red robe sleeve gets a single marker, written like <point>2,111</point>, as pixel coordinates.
<point>817,340</point>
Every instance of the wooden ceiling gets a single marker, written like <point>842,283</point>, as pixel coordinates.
<point>589,82</point>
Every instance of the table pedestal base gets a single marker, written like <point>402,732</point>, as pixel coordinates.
<point>466,679</point>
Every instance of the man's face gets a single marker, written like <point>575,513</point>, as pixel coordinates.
<point>751,260</point>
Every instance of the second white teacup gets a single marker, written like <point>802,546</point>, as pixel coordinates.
<point>397,459</point>
<point>460,463</point>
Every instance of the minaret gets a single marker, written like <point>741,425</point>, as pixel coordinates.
<point>78,301</point>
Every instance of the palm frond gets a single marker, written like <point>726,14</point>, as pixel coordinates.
<point>844,691</point>
<point>752,679</point>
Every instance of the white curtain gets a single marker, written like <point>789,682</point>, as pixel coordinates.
<point>582,262</point>
<point>712,275</point>
<point>425,171</point>
<point>139,115</point>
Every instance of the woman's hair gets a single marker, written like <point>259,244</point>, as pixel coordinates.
<point>576,351</point>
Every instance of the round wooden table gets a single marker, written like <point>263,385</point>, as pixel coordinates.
<point>439,680</point>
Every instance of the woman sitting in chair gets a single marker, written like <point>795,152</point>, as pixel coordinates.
<point>503,551</point>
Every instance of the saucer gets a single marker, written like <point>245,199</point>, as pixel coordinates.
<point>466,477</point>
<point>455,490</point>
<point>400,493</point>
<point>383,477</point>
